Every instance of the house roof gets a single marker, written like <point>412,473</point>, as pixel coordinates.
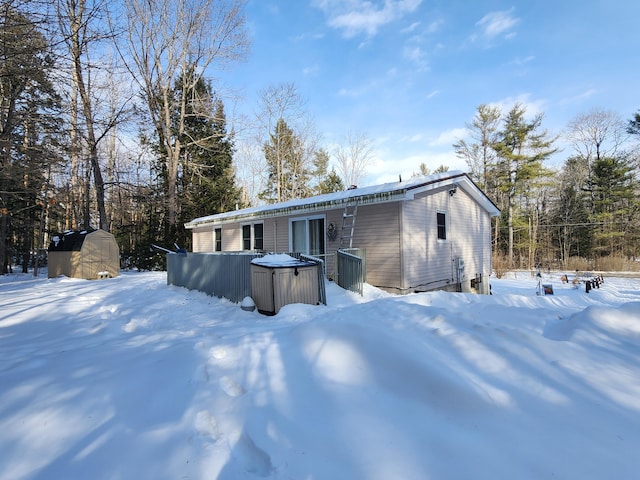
<point>387,192</point>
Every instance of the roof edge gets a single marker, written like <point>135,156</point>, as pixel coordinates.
<point>365,196</point>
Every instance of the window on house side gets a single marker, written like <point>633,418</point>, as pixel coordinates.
<point>258,236</point>
<point>218,239</point>
<point>442,225</point>
<point>246,237</point>
<point>253,236</point>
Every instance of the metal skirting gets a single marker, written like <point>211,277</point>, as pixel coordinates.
<point>226,275</point>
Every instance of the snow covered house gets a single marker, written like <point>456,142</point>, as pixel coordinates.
<point>427,233</point>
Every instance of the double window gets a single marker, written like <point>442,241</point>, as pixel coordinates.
<point>253,236</point>
<point>307,235</point>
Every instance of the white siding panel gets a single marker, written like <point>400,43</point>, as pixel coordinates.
<point>203,239</point>
<point>231,237</point>
<point>270,231</point>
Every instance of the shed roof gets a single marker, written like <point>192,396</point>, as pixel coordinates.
<point>387,192</point>
<point>69,240</point>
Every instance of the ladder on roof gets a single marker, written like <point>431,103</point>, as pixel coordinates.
<point>348,223</point>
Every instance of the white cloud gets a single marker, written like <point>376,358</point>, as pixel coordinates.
<point>495,24</point>
<point>311,71</point>
<point>417,56</point>
<point>448,137</point>
<point>418,137</point>
<point>522,61</point>
<point>391,169</point>
<point>401,157</point>
<point>410,28</point>
<point>532,107</point>
<point>434,26</point>
<point>579,98</point>
<point>354,17</point>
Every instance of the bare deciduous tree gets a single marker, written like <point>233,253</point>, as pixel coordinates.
<point>596,134</point>
<point>179,40</point>
<point>354,155</point>
<point>282,103</point>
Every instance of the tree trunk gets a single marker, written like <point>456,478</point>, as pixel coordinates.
<point>4,233</point>
<point>77,45</point>
<point>510,227</point>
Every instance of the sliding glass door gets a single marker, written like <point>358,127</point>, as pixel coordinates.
<point>307,235</point>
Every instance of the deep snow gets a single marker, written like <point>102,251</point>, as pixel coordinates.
<point>129,378</point>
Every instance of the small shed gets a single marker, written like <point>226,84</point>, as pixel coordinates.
<point>88,254</point>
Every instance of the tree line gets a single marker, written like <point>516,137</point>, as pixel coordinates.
<point>111,117</point>
<point>584,213</point>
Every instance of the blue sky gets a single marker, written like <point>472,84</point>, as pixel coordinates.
<point>411,73</point>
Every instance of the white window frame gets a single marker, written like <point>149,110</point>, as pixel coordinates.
<point>252,238</point>
<point>446,226</point>
<point>306,219</point>
<point>215,240</point>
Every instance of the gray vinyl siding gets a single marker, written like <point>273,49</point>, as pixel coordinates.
<point>431,263</point>
<point>378,231</point>
<point>476,231</point>
<point>427,260</point>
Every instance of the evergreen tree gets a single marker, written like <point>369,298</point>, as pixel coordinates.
<point>615,204</point>
<point>480,155</point>
<point>328,182</point>
<point>570,227</point>
<point>633,127</point>
<point>288,174</point>
<point>331,183</point>
<point>207,183</point>
<point>29,138</point>
<point>422,171</point>
<point>521,150</point>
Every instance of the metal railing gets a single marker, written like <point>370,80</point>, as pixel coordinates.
<point>225,274</point>
<point>322,292</point>
<point>351,269</point>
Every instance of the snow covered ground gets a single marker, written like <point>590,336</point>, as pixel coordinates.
<point>129,378</point>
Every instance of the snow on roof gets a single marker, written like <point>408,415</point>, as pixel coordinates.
<point>375,193</point>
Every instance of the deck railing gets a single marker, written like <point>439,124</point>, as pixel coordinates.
<point>351,269</point>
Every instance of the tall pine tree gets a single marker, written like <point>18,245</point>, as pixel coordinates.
<point>207,180</point>
<point>522,148</point>
<point>288,172</point>
<point>615,205</point>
